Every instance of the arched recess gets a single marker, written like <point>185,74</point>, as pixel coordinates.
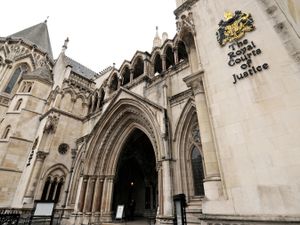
<point>114,82</point>
<point>125,75</point>
<point>112,130</point>
<point>79,106</point>
<point>170,61</point>
<point>188,140</point>
<point>182,52</point>
<point>187,35</point>
<point>66,101</point>
<point>107,141</point>
<point>138,67</point>
<point>52,183</point>
<point>157,64</point>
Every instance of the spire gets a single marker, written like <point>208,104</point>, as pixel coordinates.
<point>37,35</point>
<point>65,46</point>
<point>157,39</point>
<point>46,20</point>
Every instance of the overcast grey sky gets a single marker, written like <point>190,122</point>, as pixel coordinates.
<point>100,32</point>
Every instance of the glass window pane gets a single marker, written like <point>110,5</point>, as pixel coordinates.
<point>198,174</point>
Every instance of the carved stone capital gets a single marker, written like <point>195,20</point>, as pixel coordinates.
<point>41,155</point>
<point>185,22</point>
<point>51,124</point>
<point>194,81</point>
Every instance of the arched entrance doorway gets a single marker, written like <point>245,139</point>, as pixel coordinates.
<point>136,177</point>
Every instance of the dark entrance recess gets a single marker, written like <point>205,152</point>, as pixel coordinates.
<point>136,177</point>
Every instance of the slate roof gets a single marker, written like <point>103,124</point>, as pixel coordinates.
<point>38,35</point>
<point>42,72</point>
<point>80,69</point>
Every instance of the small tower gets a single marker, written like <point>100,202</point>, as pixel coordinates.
<point>156,40</point>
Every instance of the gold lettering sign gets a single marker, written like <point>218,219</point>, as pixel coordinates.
<point>234,27</point>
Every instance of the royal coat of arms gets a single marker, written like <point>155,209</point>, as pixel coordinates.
<point>234,27</point>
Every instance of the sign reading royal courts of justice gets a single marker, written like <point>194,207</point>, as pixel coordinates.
<point>241,51</point>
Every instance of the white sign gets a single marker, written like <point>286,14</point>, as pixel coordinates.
<point>120,212</point>
<point>44,209</point>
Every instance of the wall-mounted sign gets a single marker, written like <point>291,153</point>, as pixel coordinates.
<point>241,52</point>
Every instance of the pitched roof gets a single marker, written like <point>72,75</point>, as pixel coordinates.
<point>80,69</point>
<point>38,35</point>
<point>43,73</point>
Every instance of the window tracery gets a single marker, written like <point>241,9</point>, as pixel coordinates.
<point>19,71</point>
<point>63,148</point>
<point>53,186</point>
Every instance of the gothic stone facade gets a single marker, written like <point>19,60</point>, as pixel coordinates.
<point>219,124</point>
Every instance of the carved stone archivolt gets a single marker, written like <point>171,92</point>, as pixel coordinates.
<point>120,123</point>
<point>110,134</point>
<point>51,124</point>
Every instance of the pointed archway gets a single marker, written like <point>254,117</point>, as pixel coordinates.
<point>135,184</point>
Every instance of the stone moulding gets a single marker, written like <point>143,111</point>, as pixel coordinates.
<point>185,6</point>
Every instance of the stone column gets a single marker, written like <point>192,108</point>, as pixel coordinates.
<point>89,194</point>
<point>106,212</point>
<point>40,157</point>
<point>57,100</point>
<point>167,190</point>
<point>82,193</point>
<point>98,195</point>
<point>212,182</point>
<point>164,63</point>
<point>175,55</point>
<point>146,67</point>
<point>131,75</point>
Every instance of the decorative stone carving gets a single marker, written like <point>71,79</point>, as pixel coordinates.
<point>51,124</point>
<point>41,155</point>
<point>118,126</point>
<point>63,148</point>
<point>186,21</point>
<point>196,133</point>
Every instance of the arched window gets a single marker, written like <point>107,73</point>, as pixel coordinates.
<point>54,183</point>
<point>58,190</point>
<point>126,76</point>
<point>6,132</point>
<point>46,188</point>
<point>17,73</point>
<point>198,174</point>
<point>182,53</point>
<point>114,82</point>
<point>157,64</point>
<point>52,189</point>
<point>138,68</point>
<point>18,104</point>
<point>169,58</point>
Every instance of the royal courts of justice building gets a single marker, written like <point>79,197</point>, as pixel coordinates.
<point>212,113</point>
